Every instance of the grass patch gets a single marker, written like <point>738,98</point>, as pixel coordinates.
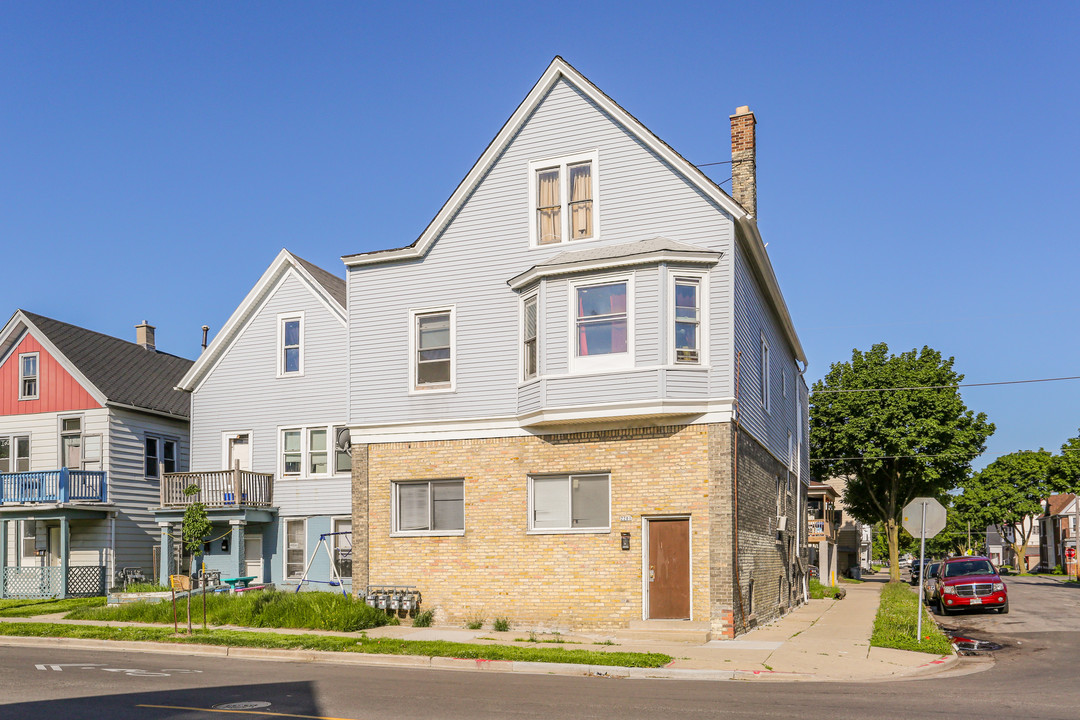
<point>424,618</point>
<point>256,608</point>
<point>896,623</point>
<point>501,624</point>
<point>29,608</point>
<point>818,590</point>
<point>851,581</point>
<point>363,644</point>
<point>144,588</point>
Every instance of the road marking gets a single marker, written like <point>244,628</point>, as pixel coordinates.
<point>243,712</point>
<point>60,668</point>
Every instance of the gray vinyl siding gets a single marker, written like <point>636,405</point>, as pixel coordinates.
<point>242,393</point>
<point>487,242</point>
<point>754,319</point>
<point>530,397</point>
<point>133,493</point>
<point>573,390</point>
<point>686,383</point>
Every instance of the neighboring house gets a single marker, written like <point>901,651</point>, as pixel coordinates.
<point>1057,532</point>
<point>543,388</point>
<point>854,539</point>
<point>268,401</point>
<point>824,521</point>
<point>1000,550</point>
<point>87,423</point>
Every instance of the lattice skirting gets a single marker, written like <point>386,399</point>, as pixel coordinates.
<point>44,582</point>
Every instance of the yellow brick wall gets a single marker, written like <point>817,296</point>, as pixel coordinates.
<point>544,581</point>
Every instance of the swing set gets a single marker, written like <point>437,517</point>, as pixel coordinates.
<point>345,553</point>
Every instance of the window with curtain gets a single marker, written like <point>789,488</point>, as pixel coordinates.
<point>601,319</point>
<point>564,199</point>
<point>580,201</point>
<point>529,334</point>
<point>570,502</point>
<point>429,506</point>
<point>687,321</point>
<point>548,207</point>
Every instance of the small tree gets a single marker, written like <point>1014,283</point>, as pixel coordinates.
<point>1009,493</point>
<point>196,526</point>
<point>894,444</point>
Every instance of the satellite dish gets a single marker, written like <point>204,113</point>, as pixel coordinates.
<point>343,440</point>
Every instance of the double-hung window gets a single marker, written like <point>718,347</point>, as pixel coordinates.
<point>429,507</point>
<point>290,344</point>
<point>570,503</point>
<point>295,548</point>
<point>15,453</point>
<point>687,297</point>
<point>432,349</point>
<point>563,198</point>
<point>529,338</point>
<point>343,547</point>
<point>307,452</point>
<point>71,454</point>
<point>602,332</point>
<point>159,451</point>
<point>28,376</point>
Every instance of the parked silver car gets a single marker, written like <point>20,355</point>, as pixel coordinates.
<point>929,586</point>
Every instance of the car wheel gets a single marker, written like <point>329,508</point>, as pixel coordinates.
<point>1004,609</point>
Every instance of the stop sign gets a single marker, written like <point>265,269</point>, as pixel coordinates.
<point>913,517</point>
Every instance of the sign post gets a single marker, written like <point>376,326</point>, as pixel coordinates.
<point>923,518</point>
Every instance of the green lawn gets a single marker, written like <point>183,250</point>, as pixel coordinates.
<point>29,608</point>
<point>896,623</point>
<point>363,644</point>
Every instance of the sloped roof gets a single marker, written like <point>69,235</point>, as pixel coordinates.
<point>124,372</point>
<point>334,285</point>
<point>1057,503</point>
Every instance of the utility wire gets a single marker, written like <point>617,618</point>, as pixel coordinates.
<point>944,387</point>
<point>893,457</point>
<point>722,162</point>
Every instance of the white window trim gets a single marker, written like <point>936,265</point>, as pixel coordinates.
<point>285,549</point>
<point>335,539</point>
<point>37,378</point>
<point>161,440</point>
<point>13,458</point>
<point>561,162</point>
<point>612,361</point>
<point>566,531</point>
<point>534,296</point>
<point>305,450</point>
<point>765,370</point>
<point>61,434</point>
<point>394,532</point>
<point>702,279</point>
<point>415,313</point>
<point>282,318</point>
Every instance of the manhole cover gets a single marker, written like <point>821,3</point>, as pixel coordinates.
<point>248,705</point>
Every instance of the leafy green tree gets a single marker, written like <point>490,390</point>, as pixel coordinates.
<point>196,526</point>
<point>960,536</point>
<point>1065,468</point>
<point>895,443</point>
<point>1009,493</point>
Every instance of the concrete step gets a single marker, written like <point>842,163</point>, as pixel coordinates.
<point>679,631</point>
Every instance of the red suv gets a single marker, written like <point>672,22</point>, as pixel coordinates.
<point>970,582</point>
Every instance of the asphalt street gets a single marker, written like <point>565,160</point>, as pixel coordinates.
<point>1030,677</point>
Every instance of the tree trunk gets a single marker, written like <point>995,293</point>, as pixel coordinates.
<point>191,569</point>
<point>892,532</point>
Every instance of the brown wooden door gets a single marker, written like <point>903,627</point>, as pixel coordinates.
<point>669,569</point>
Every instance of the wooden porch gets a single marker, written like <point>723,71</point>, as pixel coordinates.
<point>218,489</point>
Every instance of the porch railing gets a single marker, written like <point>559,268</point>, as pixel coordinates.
<point>53,486</point>
<point>818,530</point>
<point>44,582</point>
<point>218,488</point>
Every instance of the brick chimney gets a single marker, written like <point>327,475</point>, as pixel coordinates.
<point>744,159</point>
<point>144,335</point>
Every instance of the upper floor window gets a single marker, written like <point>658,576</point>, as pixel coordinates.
<point>290,344</point>
<point>563,194</point>
<point>71,443</point>
<point>15,454</point>
<point>308,452</point>
<point>28,376</point>
<point>529,337</point>
<point>601,325</point>
<point>687,321</point>
<point>764,374</point>
<point>159,453</point>
<point>432,349</point>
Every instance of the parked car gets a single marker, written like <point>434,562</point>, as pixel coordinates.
<point>929,583</point>
<point>914,570</point>
<point>963,583</point>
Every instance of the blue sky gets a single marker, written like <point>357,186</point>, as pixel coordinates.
<point>917,164</point>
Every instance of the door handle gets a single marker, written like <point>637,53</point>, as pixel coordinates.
<point>652,574</point>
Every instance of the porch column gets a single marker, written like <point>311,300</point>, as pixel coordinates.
<point>3,557</point>
<point>823,561</point>
<point>236,550</point>
<point>832,566</point>
<point>65,550</point>
<point>165,558</point>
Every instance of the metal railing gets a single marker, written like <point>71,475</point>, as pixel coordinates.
<point>53,486</point>
<point>219,488</point>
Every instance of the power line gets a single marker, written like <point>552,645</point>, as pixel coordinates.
<point>893,457</point>
<point>722,162</point>
<point>945,387</point>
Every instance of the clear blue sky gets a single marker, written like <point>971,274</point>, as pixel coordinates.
<point>919,163</point>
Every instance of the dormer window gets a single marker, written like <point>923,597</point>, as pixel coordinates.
<point>563,194</point>
<point>28,376</point>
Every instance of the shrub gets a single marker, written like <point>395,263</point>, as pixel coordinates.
<point>424,618</point>
<point>501,624</point>
<point>474,623</point>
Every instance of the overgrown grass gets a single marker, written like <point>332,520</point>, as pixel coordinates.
<point>255,608</point>
<point>381,646</point>
<point>144,588</point>
<point>818,590</point>
<point>29,608</point>
<point>896,623</point>
<point>424,618</point>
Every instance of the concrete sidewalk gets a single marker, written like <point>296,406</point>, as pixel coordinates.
<point>823,640</point>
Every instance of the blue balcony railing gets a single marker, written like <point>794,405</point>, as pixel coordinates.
<point>52,486</point>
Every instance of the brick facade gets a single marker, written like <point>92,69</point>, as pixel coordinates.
<point>574,580</point>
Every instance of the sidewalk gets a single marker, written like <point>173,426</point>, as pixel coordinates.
<point>823,640</point>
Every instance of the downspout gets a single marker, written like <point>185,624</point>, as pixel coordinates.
<point>111,565</point>
<point>801,515</point>
<point>735,491</point>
